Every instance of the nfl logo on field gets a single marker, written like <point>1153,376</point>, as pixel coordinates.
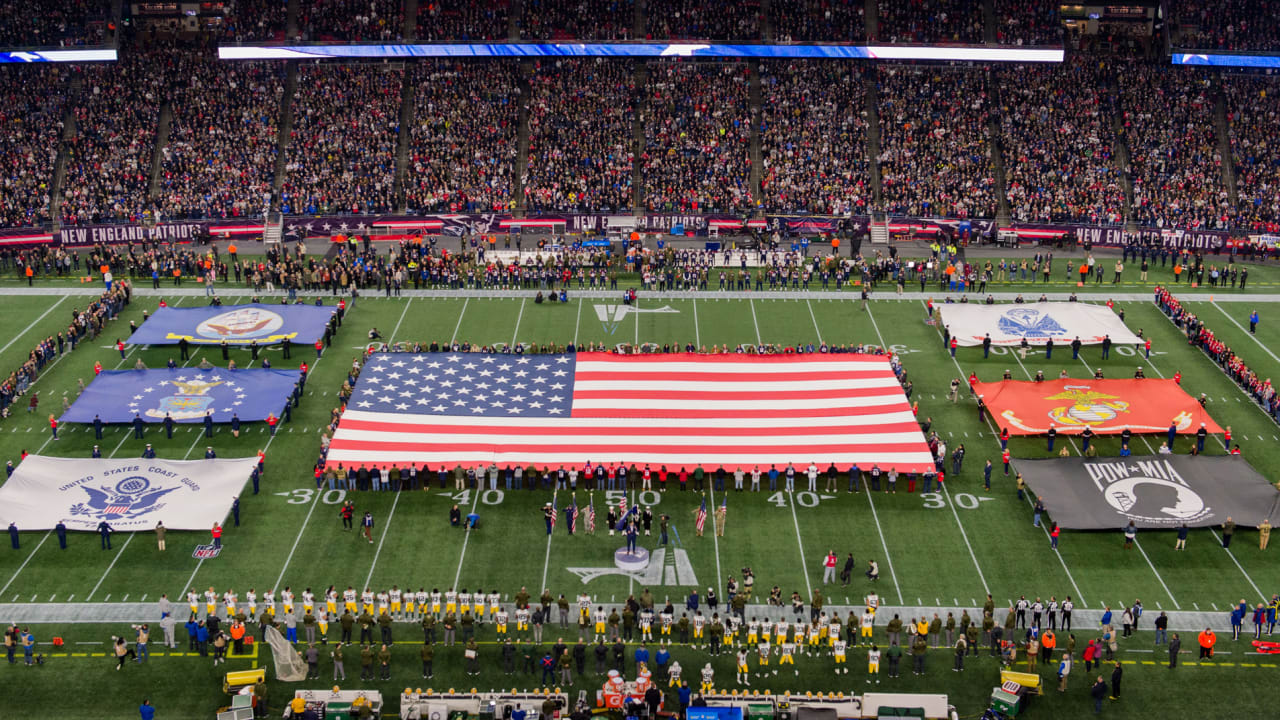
<point>206,552</point>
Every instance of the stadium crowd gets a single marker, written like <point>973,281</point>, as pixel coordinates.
<point>352,20</point>
<point>581,136</point>
<point>341,155</point>
<point>818,20</point>
<point>1253,110</point>
<point>1236,25</point>
<point>463,140</point>
<point>1057,144</point>
<point>934,155</point>
<point>1176,166</point>
<point>220,160</point>
<point>703,19</point>
<point>52,23</point>
<point>595,20</point>
<point>697,138</point>
<point>108,162</point>
<point>1028,22</point>
<point>463,20</point>
<point>931,21</point>
<point>32,112</point>
<point>255,20</point>
<point>813,138</point>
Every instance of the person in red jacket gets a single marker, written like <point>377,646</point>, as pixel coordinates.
<point>53,426</point>
<point>1004,458</point>
<point>217,535</point>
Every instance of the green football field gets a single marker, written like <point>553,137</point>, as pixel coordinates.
<point>944,550</point>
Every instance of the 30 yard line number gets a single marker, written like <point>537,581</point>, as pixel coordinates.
<point>302,496</point>
<point>964,501</point>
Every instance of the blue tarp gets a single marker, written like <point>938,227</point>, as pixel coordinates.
<point>186,394</point>
<point>237,324</point>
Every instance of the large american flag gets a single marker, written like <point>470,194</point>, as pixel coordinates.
<point>680,410</point>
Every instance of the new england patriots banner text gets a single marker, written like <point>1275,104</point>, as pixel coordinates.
<point>236,324</point>
<point>184,394</point>
<point>1154,491</point>
<point>739,411</point>
<point>126,494</point>
<point>1105,406</point>
<point>1037,322</point>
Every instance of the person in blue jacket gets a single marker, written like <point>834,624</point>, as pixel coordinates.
<point>1237,620</point>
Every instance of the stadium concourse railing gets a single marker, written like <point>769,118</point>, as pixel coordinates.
<point>675,223</point>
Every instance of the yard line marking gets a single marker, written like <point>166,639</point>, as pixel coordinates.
<point>636,315</point>
<point>631,580</point>
<point>466,538</point>
<point>1079,596</point>
<point>753,319</point>
<point>515,333</point>
<point>1251,336</point>
<point>24,562</point>
<point>1138,545</point>
<point>108,570</point>
<point>27,329</point>
<point>887,560</point>
<point>385,527</point>
<point>1237,564</point>
<point>965,535</point>
<point>577,323</point>
<point>697,337</point>
<point>459,325</point>
<point>813,317</point>
<point>396,329</point>
<point>715,539</point>
<point>547,559</point>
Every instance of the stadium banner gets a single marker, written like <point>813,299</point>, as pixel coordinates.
<point>1105,406</point>
<point>127,494</point>
<point>958,53</point>
<point>1152,491</point>
<point>184,394</point>
<point>457,224</point>
<point>235,324</point>
<point>1007,324</point>
<point>739,411</point>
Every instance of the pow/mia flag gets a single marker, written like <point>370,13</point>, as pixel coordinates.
<point>1154,491</point>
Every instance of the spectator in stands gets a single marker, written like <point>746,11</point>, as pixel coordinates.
<point>463,20</point>
<point>33,101</point>
<point>931,21</point>
<point>577,19</point>
<point>581,136</point>
<point>352,20</point>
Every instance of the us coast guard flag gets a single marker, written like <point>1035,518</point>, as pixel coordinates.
<point>677,410</point>
<point>127,494</point>
<point>1008,324</point>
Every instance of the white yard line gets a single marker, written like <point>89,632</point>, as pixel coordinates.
<point>887,560</point>
<point>386,526</point>
<point>519,316</point>
<point>1251,336</point>
<point>465,538</point>
<point>577,323</point>
<point>113,564</point>
<point>454,339</point>
<point>24,562</point>
<point>636,313</point>
<point>994,434</point>
<point>813,317</point>
<point>404,312</point>
<point>715,539</point>
<point>546,562</point>
<point>965,535</point>
<point>18,336</point>
<point>753,319</point>
<point>804,562</point>
<point>697,336</point>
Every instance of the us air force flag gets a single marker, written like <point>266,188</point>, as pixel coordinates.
<point>236,324</point>
<point>184,394</point>
<point>127,494</point>
<point>1037,322</point>
<point>1154,491</point>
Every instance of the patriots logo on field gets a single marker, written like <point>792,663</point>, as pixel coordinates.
<point>1030,323</point>
<point>206,552</point>
<point>130,498</point>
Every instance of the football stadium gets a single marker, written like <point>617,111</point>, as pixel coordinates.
<point>520,359</point>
